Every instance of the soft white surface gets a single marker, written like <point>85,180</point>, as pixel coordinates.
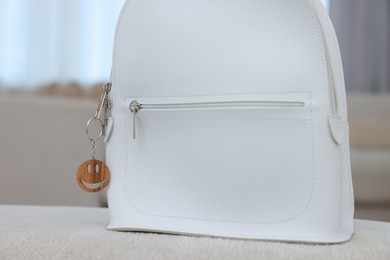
<point>79,233</point>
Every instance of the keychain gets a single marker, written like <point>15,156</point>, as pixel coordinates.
<point>94,171</point>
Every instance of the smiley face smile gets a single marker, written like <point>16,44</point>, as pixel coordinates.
<point>93,172</point>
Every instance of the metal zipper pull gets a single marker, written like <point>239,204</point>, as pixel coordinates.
<point>134,108</point>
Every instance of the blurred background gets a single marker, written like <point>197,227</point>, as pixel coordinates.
<point>56,54</point>
<point>56,42</point>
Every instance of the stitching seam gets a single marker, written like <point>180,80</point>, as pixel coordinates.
<point>343,99</point>
<point>308,203</point>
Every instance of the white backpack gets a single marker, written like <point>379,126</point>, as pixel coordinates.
<point>229,119</point>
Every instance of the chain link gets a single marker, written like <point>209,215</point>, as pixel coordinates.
<point>93,142</point>
<point>104,103</point>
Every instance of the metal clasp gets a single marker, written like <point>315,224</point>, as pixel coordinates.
<point>104,103</point>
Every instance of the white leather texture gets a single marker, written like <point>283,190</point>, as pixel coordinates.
<point>271,172</point>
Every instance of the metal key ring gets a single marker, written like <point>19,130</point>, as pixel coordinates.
<point>92,139</point>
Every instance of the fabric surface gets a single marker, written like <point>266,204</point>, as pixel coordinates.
<point>79,233</point>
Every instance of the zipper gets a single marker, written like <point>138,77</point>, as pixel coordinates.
<point>136,107</point>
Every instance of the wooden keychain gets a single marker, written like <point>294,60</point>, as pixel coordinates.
<point>94,172</point>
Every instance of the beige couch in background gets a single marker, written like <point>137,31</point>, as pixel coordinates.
<point>369,118</point>
<point>42,142</point>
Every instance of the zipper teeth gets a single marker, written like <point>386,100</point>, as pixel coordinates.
<point>135,107</point>
<point>223,104</point>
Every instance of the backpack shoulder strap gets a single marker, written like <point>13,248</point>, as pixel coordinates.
<point>334,62</point>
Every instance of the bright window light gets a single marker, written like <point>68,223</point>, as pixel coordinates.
<point>57,41</point>
<point>326,3</point>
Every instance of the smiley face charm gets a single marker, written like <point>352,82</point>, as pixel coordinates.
<point>93,172</point>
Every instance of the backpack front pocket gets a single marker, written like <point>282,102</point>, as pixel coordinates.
<point>227,159</point>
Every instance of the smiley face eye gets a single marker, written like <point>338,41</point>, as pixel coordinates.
<point>97,168</point>
<point>89,168</point>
